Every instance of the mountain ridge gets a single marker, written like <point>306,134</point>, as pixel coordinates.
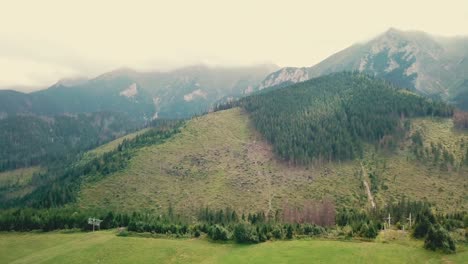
<point>262,154</point>
<point>432,65</point>
<point>155,93</point>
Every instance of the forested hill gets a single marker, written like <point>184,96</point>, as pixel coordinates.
<point>29,140</point>
<point>331,117</point>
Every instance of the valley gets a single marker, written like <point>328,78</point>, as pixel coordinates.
<point>231,132</point>
<point>345,156</point>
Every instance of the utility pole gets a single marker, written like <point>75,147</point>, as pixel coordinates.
<point>410,221</point>
<point>389,220</point>
<point>94,222</point>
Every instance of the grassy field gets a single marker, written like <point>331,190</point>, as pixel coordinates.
<point>106,247</point>
<point>218,160</point>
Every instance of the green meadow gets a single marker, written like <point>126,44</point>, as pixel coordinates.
<point>107,247</point>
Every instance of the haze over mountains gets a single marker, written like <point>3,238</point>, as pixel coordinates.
<point>144,95</point>
<point>369,141</point>
<point>433,66</point>
<point>240,131</point>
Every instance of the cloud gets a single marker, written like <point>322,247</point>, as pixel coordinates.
<point>43,41</point>
<point>30,73</point>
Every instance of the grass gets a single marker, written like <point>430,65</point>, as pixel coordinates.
<point>15,183</point>
<point>110,146</point>
<point>442,130</point>
<point>218,160</point>
<point>404,176</point>
<point>18,177</point>
<point>106,247</point>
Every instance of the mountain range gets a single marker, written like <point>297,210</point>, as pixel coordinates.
<point>430,65</point>
<point>433,66</point>
<point>144,95</point>
<point>330,136</point>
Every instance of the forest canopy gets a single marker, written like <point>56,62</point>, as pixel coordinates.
<point>331,117</point>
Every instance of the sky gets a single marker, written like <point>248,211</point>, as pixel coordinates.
<point>44,41</point>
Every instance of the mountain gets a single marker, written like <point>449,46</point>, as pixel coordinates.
<point>329,138</point>
<point>330,117</point>
<point>179,93</point>
<point>75,115</point>
<point>433,66</point>
<point>30,140</point>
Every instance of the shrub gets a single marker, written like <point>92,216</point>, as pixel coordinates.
<point>245,233</point>
<point>439,238</point>
<point>218,232</point>
<point>368,230</point>
<point>347,231</point>
<point>277,232</point>
<point>422,227</point>
<point>465,219</point>
<point>289,232</point>
<point>123,233</point>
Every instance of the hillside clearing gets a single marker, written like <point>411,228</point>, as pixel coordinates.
<point>218,160</point>
<point>15,183</point>
<point>18,177</point>
<point>110,146</point>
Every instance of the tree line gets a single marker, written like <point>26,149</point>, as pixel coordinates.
<point>227,224</point>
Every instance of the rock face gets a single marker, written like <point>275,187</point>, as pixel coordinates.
<point>433,66</point>
<point>130,92</point>
<point>284,75</point>
<point>194,95</point>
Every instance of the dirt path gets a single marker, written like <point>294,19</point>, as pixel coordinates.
<point>369,194</point>
<point>258,149</point>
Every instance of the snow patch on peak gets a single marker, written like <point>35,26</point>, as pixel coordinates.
<point>195,94</point>
<point>130,92</point>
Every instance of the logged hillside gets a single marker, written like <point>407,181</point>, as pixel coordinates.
<point>59,184</point>
<point>218,160</point>
<point>331,117</point>
<point>379,144</point>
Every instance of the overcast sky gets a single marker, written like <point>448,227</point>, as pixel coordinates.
<point>43,41</point>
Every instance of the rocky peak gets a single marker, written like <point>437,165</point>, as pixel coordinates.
<point>289,74</point>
